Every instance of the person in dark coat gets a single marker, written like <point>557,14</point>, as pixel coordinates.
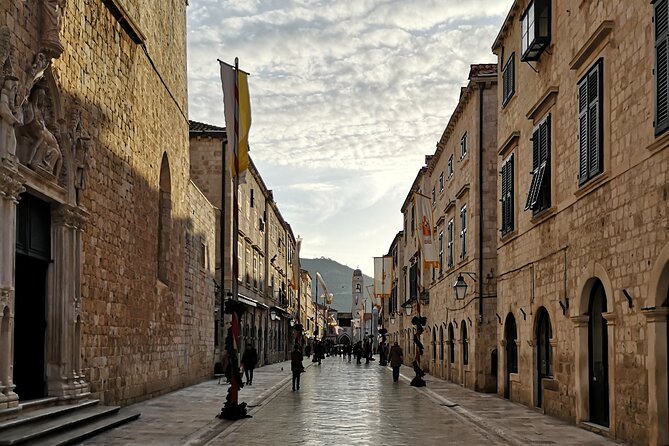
<point>396,358</point>
<point>296,366</point>
<point>357,352</point>
<point>249,361</point>
<point>307,350</point>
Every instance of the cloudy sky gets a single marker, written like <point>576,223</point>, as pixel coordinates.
<point>347,99</point>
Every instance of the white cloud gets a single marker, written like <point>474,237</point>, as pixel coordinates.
<point>348,97</point>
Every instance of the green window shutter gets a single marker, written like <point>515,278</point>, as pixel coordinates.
<point>661,70</point>
<point>583,131</point>
<point>594,137</point>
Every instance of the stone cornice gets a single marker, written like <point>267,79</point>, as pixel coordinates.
<point>600,35</point>
<point>546,101</point>
<point>580,321</point>
<point>655,314</point>
<point>69,216</point>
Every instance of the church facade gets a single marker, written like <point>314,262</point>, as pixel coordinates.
<point>106,279</point>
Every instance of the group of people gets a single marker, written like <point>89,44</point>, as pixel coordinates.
<point>361,349</point>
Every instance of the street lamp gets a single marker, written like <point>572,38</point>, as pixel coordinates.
<point>292,322</point>
<point>407,308</point>
<point>392,318</point>
<point>460,287</point>
<point>273,316</point>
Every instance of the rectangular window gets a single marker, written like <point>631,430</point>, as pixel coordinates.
<point>463,146</point>
<point>539,195</point>
<point>451,234</point>
<point>507,196</point>
<point>661,19</point>
<point>413,281</point>
<point>463,232</point>
<point>590,124</point>
<point>203,255</point>
<point>450,167</point>
<point>412,219</point>
<point>251,201</point>
<point>441,252</point>
<point>405,230</point>
<point>441,182</point>
<point>535,29</point>
<point>434,194</point>
<point>508,79</point>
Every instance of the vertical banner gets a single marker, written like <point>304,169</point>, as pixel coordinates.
<point>294,282</point>
<point>237,108</point>
<point>426,230</point>
<point>383,269</point>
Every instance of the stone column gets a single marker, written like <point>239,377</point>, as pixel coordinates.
<point>610,318</point>
<point>581,382</point>
<point>11,185</point>
<point>64,378</point>
<point>656,363</point>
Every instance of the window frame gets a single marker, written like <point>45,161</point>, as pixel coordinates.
<point>509,79</point>
<point>539,193</point>
<point>441,252</point>
<point>463,146</point>
<point>661,90</point>
<point>451,236</point>
<point>531,49</point>
<point>441,182</point>
<point>590,151</point>
<point>450,167</point>
<point>463,231</point>
<point>507,198</point>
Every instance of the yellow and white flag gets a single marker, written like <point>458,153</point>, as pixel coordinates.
<point>426,230</point>
<point>383,269</point>
<point>295,280</point>
<point>237,105</point>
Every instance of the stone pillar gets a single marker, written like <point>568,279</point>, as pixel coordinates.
<point>11,185</point>
<point>656,363</point>
<point>64,377</point>
<point>610,318</point>
<point>581,383</point>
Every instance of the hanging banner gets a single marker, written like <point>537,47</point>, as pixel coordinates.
<point>426,230</point>
<point>383,270</point>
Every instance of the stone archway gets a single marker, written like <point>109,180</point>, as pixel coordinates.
<point>657,313</point>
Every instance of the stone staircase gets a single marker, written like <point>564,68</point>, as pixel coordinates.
<point>42,423</point>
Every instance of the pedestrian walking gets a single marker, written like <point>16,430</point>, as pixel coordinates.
<point>357,352</point>
<point>367,351</point>
<point>296,366</point>
<point>249,361</point>
<point>349,351</point>
<point>396,358</point>
<point>307,350</point>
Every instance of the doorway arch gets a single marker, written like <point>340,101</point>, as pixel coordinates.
<point>511,352</point>
<point>544,354</point>
<point>598,364</point>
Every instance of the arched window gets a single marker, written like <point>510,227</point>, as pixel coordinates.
<point>164,220</point>
<point>441,342</point>
<point>451,343</point>
<point>510,337</point>
<point>465,344</point>
<point>544,353</point>
<point>434,344</point>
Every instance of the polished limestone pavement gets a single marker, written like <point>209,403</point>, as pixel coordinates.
<point>342,403</point>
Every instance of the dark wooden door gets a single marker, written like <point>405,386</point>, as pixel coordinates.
<point>598,358</point>
<point>510,336</point>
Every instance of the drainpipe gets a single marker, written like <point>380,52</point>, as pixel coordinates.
<point>481,232</point>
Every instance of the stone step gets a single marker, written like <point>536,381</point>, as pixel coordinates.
<point>35,414</point>
<point>78,434</point>
<point>52,425</point>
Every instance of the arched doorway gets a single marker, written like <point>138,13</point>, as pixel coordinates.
<point>344,339</point>
<point>511,350</point>
<point>598,364</point>
<point>451,344</point>
<point>544,355</point>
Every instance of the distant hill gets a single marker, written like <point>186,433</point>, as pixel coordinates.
<point>338,279</point>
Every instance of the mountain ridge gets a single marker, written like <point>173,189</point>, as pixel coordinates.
<point>338,279</point>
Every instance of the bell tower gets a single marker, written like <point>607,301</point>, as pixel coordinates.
<point>358,305</point>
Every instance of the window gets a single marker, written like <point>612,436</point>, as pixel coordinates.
<point>434,194</point>
<point>507,196</point>
<point>590,124</point>
<point>412,218</point>
<point>441,182</point>
<point>463,232</point>
<point>539,195</point>
<point>508,79</point>
<point>535,29</point>
<point>413,281</point>
<point>661,19</point>
<point>441,251</point>
<point>450,243</point>
<point>450,167</point>
<point>164,220</point>
<point>405,230</point>
<point>463,146</point>
<point>544,353</point>
<point>434,344</point>
<point>441,342</point>
<point>251,201</point>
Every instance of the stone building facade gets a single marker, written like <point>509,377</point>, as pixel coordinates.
<point>583,256</point>
<point>460,181</point>
<point>106,287</point>
<point>265,247</point>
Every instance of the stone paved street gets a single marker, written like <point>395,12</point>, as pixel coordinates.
<point>344,403</point>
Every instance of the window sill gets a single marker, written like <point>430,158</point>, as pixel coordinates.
<point>591,185</point>
<point>505,105</point>
<point>659,142</point>
<point>544,215</point>
<point>504,239</point>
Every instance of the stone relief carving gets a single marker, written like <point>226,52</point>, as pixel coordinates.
<point>5,51</point>
<point>51,14</point>
<point>35,73</point>
<point>10,117</point>
<point>42,154</point>
<point>65,215</point>
<point>11,182</point>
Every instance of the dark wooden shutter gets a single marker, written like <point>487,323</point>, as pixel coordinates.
<point>544,139</point>
<point>536,152</point>
<point>512,75</point>
<point>583,130</point>
<point>503,197</point>
<point>509,198</point>
<point>661,69</point>
<point>594,137</point>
